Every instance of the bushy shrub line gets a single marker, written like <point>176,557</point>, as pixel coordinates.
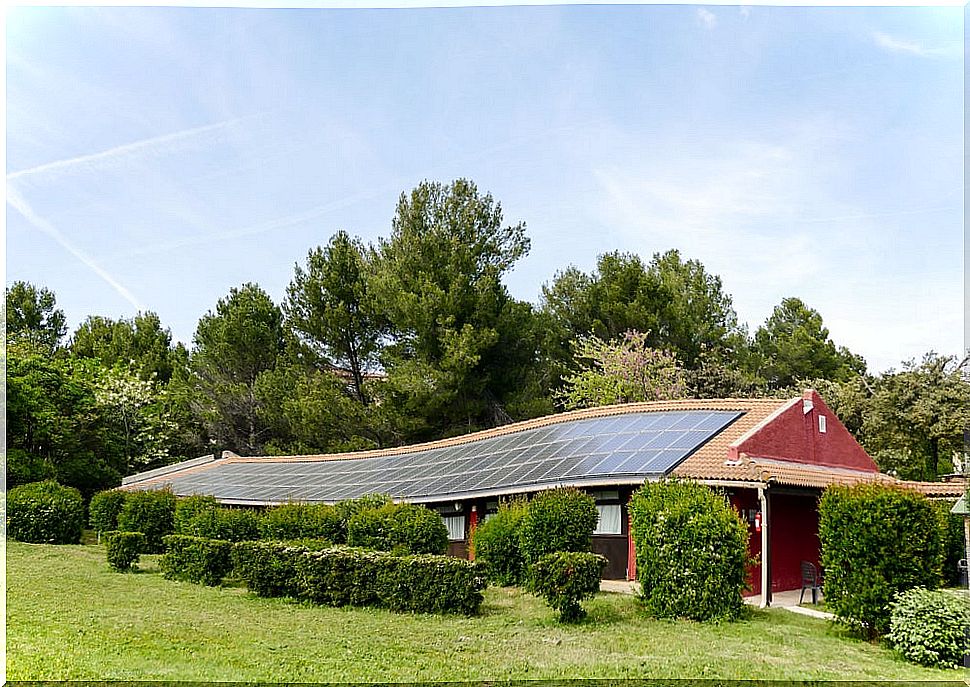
<point>104,509</point>
<point>45,513</point>
<point>187,508</point>
<point>930,627</point>
<point>302,521</point>
<point>398,527</point>
<point>497,544</point>
<point>557,520</point>
<point>877,541</point>
<point>691,550</point>
<point>230,524</point>
<point>123,549</point>
<point>564,579</point>
<point>151,513</point>
<point>196,559</point>
<point>342,575</point>
<point>953,545</point>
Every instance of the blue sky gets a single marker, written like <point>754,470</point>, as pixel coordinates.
<point>157,157</point>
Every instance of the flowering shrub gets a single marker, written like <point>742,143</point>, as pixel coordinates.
<point>564,579</point>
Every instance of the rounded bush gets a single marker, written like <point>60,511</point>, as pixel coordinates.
<point>691,551</point>
<point>930,627</point>
<point>557,520</point>
<point>348,508</point>
<point>399,527</point>
<point>104,509</point>
<point>151,513</point>
<point>497,545</point>
<point>302,521</point>
<point>564,579</point>
<point>877,540</point>
<point>123,549</point>
<point>228,524</point>
<point>188,508</point>
<point>45,513</point>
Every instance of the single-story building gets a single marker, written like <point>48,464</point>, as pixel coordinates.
<point>772,458</point>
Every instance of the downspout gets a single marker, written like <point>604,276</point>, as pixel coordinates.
<point>765,504</point>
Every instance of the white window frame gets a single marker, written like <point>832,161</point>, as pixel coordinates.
<point>615,516</point>
<point>455,524</point>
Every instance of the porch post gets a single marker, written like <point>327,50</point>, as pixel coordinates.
<point>765,503</point>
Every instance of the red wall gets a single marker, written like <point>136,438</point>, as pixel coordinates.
<point>794,538</point>
<point>794,436</point>
<point>743,501</point>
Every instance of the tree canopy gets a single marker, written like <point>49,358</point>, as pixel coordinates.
<point>31,313</point>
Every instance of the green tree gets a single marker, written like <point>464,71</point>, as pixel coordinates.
<point>233,346</point>
<point>139,343</point>
<point>625,370</point>
<point>794,344</point>
<point>329,307</point>
<point>31,313</point>
<point>438,280</point>
<point>917,417</point>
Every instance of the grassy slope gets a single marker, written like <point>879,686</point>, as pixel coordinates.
<point>69,617</point>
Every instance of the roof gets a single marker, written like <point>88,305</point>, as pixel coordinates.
<point>941,490</point>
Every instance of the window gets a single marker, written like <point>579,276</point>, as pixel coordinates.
<point>821,424</point>
<point>456,527</point>
<point>610,520</point>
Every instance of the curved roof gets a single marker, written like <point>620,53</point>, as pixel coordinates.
<point>596,447</point>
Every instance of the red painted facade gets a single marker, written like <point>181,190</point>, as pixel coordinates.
<point>794,538</point>
<point>794,435</point>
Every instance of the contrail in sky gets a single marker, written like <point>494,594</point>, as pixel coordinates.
<point>20,205</point>
<point>123,151</point>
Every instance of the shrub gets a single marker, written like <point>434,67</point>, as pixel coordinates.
<point>348,508</point>
<point>691,550</point>
<point>557,520</point>
<point>497,545</point>
<point>196,559</point>
<point>149,512</point>
<point>876,541</point>
<point>45,513</point>
<point>267,567</point>
<point>228,524</point>
<point>953,544</point>
<point>104,509</point>
<point>398,527</point>
<point>123,549</point>
<point>188,508</point>
<point>302,521</point>
<point>339,576</point>
<point>564,579</point>
<point>930,627</point>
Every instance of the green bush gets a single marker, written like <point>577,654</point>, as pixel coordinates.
<point>398,527</point>
<point>691,551</point>
<point>497,546</point>
<point>564,579</point>
<point>930,627</point>
<point>557,520</point>
<point>876,541</point>
<point>953,544</point>
<point>123,548</point>
<point>229,524</point>
<point>302,521</point>
<point>339,576</point>
<point>348,508</point>
<point>268,567</point>
<point>196,559</point>
<point>149,512</point>
<point>45,513</point>
<point>187,508</point>
<point>104,509</point>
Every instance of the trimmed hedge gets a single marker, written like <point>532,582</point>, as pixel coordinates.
<point>930,627</point>
<point>953,546</point>
<point>45,513</point>
<point>399,527</point>
<point>557,520</point>
<point>877,541</point>
<point>302,521</point>
<point>187,508</point>
<point>122,549</point>
<point>348,508</point>
<point>342,575</point>
<point>149,512</point>
<point>691,549</point>
<point>104,509</point>
<point>497,545</point>
<point>564,579</point>
<point>229,524</point>
<point>196,559</point>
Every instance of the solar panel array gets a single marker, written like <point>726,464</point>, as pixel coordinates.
<point>630,445</point>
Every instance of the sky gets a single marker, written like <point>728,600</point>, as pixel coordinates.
<point>157,157</point>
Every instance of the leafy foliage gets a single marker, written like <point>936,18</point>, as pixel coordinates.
<point>123,549</point>
<point>104,509</point>
<point>930,627</point>
<point>953,542</point>
<point>187,508</point>
<point>691,550</point>
<point>876,541</point>
<point>151,513</point>
<point>557,520</point>
<point>229,524</point>
<point>565,578</point>
<point>31,316</point>
<point>303,521</point>
<point>45,513</point>
<point>140,344</point>
<point>196,559</point>
<point>497,544</point>
<point>398,527</point>
<point>267,567</point>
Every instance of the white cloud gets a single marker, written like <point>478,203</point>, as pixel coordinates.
<point>899,45</point>
<point>707,18</point>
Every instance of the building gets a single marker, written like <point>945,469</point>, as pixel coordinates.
<point>772,458</point>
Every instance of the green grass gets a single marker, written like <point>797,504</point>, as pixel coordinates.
<point>70,617</point>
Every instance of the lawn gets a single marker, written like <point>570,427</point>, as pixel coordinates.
<point>70,617</point>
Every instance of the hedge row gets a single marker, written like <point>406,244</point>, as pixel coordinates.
<point>400,528</point>
<point>341,576</point>
<point>123,549</point>
<point>196,559</point>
